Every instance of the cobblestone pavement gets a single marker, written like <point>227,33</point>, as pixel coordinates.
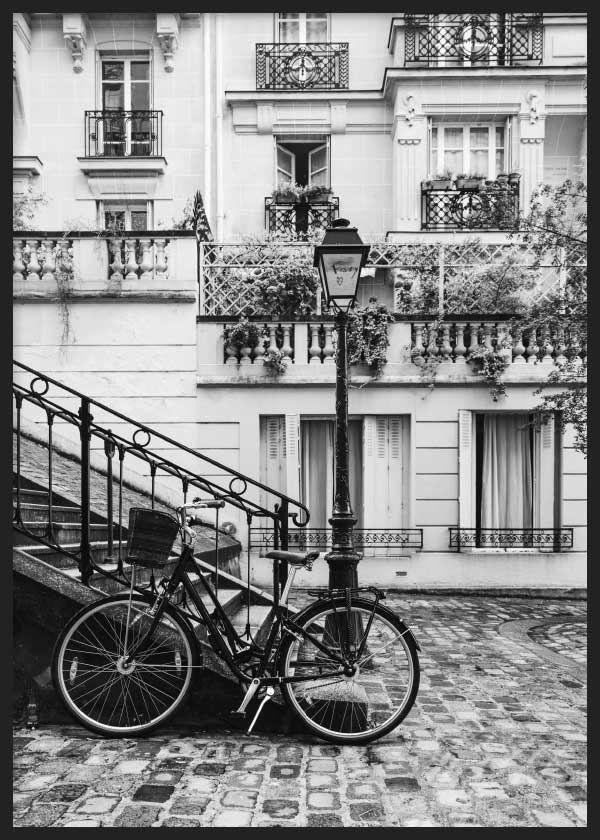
<point>567,638</point>
<point>497,737</point>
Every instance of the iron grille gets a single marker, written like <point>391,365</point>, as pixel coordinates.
<point>314,66</point>
<point>364,538</point>
<point>300,218</point>
<point>463,39</point>
<point>492,208</point>
<point>123,133</point>
<point>553,539</point>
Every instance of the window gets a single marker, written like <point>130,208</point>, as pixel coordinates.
<point>125,87</point>
<point>117,215</point>
<point>306,162</point>
<point>302,27</point>
<point>467,149</point>
<point>508,472</point>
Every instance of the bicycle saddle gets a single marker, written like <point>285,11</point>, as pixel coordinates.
<point>292,557</point>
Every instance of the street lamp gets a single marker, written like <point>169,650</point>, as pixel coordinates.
<point>340,258</point>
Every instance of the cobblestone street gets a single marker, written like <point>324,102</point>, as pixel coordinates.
<point>497,737</point>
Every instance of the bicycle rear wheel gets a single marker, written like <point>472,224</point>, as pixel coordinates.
<point>350,708</point>
<point>103,693</point>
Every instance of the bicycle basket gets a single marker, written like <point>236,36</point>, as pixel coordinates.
<point>151,537</point>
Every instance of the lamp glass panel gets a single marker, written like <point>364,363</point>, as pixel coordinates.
<point>340,273</point>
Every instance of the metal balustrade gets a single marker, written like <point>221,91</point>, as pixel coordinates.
<point>373,540</point>
<point>301,217</point>
<point>115,133</point>
<point>312,66</point>
<point>495,38</point>
<point>491,208</point>
<point>552,539</point>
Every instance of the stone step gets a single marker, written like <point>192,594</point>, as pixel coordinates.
<point>60,513</point>
<point>64,532</point>
<point>55,557</point>
<point>28,496</point>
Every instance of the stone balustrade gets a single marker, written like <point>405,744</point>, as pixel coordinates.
<point>44,259</point>
<point>454,342</point>
<point>131,258</point>
<point>274,336</point>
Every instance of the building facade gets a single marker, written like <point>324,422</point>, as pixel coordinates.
<point>417,128</point>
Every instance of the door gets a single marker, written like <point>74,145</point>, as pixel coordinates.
<point>125,96</point>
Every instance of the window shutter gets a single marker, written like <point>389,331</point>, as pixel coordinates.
<point>384,486</point>
<point>286,165</point>
<point>273,458</point>
<point>292,455</point>
<point>465,469</point>
<point>544,504</point>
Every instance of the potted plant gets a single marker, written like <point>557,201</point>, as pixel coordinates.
<point>287,192</point>
<point>514,178</point>
<point>241,335</point>
<point>443,181</point>
<point>427,184</point>
<point>316,192</point>
<point>502,179</point>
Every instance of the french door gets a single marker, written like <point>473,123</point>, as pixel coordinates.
<point>125,97</point>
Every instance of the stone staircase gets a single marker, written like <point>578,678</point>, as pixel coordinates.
<point>47,576</point>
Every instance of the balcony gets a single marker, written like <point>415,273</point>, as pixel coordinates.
<point>491,206</point>
<point>464,40</point>
<point>299,218</point>
<point>123,134</point>
<point>315,66</point>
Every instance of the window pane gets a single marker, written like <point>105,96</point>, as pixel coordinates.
<point>114,220</point>
<point>140,96</point>
<point>139,220</point>
<point>453,138</point>
<point>113,97</point>
<point>318,160</point>
<point>112,70</point>
<point>479,163</point>
<point>140,70</point>
<point>289,27</point>
<point>479,137</point>
<point>499,161</point>
<point>316,26</point>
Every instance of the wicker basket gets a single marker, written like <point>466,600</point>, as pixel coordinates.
<point>151,537</point>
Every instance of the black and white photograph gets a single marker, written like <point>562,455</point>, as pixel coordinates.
<point>299,417</point>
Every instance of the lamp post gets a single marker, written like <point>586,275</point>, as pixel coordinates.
<point>340,258</point>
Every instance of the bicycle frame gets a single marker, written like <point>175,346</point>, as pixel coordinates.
<point>281,620</point>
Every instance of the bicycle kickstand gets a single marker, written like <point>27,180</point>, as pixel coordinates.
<point>269,693</point>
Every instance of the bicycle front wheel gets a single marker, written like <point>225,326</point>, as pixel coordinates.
<point>357,707</point>
<point>103,692</point>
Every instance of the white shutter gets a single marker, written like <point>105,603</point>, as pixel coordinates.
<point>466,496</point>
<point>369,472</point>
<point>292,453</point>
<point>273,456</point>
<point>543,505</point>
<point>286,165</point>
<point>385,458</point>
<point>317,166</point>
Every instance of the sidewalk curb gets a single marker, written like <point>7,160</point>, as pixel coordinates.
<point>517,631</point>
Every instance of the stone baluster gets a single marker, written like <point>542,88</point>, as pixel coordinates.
<point>575,348</point>
<point>446,347</point>
<point>161,257</point>
<point>417,349</point>
<point>147,263</point>
<point>487,335</point>
<point>473,336</point>
<point>532,348</point>
<point>547,347</point>
<point>459,348</point>
<point>314,351</point>
<point>518,347</point>
<point>131,264</point>
<point>560,357</point>
<point>18,264</point>
<point>116,265</point>
<point>49,260</point>
<point>245,354</point>
<point>286,347</point>
<point>432,347</point>
<point>259,351</point>
<point>329,349</point>
<point>272,337</point>
<point>33,266</point>
<point>64,259</point>
<point>503,342</point>
<point>231,354</point>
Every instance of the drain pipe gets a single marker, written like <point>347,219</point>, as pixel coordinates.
<point>219,124</point>
<point>207,191</point>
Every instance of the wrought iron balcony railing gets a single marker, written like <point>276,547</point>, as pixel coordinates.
<point>315,66</point>
<point>490,208</point>
<point>123,133</point>
<point>502,39</point>
<point>384,540</point>
<point>551,539</point>
<point>301,217</point>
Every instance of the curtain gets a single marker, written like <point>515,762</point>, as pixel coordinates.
<point>317,441</point>
<point>507,485</point>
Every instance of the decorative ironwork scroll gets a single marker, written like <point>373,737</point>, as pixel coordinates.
<point>300,218</point>
<point>485,209</point>
<point>363,538</point>
<point>123,133</point>
<point>318,66</point>
<point>554,539</point>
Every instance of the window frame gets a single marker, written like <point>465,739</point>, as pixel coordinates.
<point>117,205</point>
<point>315,143</point>
<point>492,148</point>
<point>127,58</point>
<point>277,18</point>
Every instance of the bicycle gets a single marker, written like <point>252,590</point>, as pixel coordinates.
<point>346,665</point>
